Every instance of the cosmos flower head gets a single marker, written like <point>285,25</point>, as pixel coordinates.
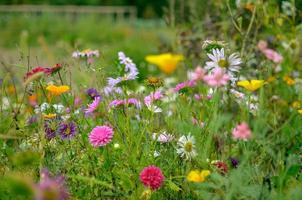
<point>152,177</point>
<point>186,147</point>
<point>187,84</point>
<point>100,136</point>
<point>52,188</point>
<point>166,62</point>
<point>93,106</point>
<point>67,130</point>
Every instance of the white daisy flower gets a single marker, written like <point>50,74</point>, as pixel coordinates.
<point>219,59</point>
<point>186,147</point>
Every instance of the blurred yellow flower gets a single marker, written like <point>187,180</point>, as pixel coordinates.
<point>296,104</point>
<point>288,80</point>
<point>57,90</point>
<point>198,176</point>
<point>300,111</point>
<point>271,79</point>
<point>166,62</point>
<point>49,115</point>
<point>251,85</point>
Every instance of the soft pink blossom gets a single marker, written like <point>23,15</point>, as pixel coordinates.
<point>242,131</point>
<point>272,55</point>
<point>198,74</point>
<point>217,78</point>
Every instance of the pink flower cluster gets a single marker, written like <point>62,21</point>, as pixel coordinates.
<point>93,106</point>
<point>148,100</point>
<point>242,131</point>
<point>126,102</point>
<point>217,78</point>
<point>152,177</point>
<point>269,53</point>
<point>188,83</point>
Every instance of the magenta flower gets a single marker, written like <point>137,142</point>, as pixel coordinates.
<point>217,78</point>
<point>101,136</point>
<point>148,100</point>
<point>119,102</point>
<point>152,177</point>
<point>180,86</point>
<point>242,131</point>
<point>93,106</point>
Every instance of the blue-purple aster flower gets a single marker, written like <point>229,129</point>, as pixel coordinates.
<point>51,188</point>
<point>92,93</point>
<point>67,130</point>
<point>50,128</point>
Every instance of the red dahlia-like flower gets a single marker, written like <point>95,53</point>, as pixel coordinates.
<point>222,167</point>
<point>35,71</point>
<point>152,177</point>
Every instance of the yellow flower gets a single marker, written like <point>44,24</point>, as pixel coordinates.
<point>296,104</point>
<point>288,80</point>
<point>300,111</point>
<point>49,116</point>
<point>166,62</point>
<point>271,79</point>
<point>251,85</point>
<point>198,176</point>
<point>57,90</point>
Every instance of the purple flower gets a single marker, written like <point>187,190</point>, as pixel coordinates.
<point>148,100</point>
<point>52,188</point>
<point>93,106</point>
<point>92,93</point>
<point>67,130</point>
<point>234,162</point>
<point>50,128</point>
<point>32,120</point>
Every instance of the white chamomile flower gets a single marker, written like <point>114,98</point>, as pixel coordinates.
<point>219,59</point>
<point>186,147</point>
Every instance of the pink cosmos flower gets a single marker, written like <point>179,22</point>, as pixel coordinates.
<point>242,131</point>
<point>148,100</point>
<point>93,106</point>
<point>217,78</point>
<point>101,136</point>
<point>189,83</point>
<point>198,74</point>
<point>272,55</point>
<point>152,177</point>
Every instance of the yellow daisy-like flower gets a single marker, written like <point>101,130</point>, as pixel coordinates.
<point>49,115</point>
<point>57,90</point>
<point>300,111</point>
<point>166,62</point>
<point>251,85</point>
<point>198,176</point>
<point>288,80</point>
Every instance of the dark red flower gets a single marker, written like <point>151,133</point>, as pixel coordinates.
<point>35,71</point>
<point>221,166</point>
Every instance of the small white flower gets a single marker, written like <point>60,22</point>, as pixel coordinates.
<point>116,145</point>
<point>219,59</point>
<point>156,154</point>
<point>154,109</point>
<point>186,147</point>
<point>58,107</point>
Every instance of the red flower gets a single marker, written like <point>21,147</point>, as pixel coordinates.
<point>222,167</point>
<point>35,71</point>
<point>152,177</point>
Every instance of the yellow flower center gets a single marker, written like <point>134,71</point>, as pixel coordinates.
<point>188,147</point>
<point>223,63</point>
